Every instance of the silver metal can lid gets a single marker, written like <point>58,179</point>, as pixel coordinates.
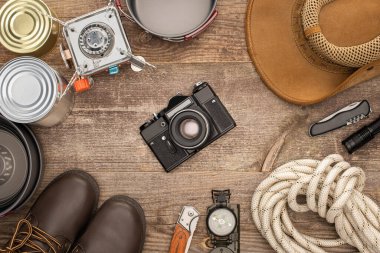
<point>28,89</point>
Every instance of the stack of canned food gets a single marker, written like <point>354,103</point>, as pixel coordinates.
<point>31,92</point>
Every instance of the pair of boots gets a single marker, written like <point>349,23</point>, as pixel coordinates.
<point>62,220</point>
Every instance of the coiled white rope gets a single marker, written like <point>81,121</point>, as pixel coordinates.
<point>332,189</point>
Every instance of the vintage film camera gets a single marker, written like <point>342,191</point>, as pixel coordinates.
<point>186,126</point>
<point>223,223</point>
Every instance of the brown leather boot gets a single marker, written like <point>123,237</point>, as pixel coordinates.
<point>118,227</point>
<point>58,216</point>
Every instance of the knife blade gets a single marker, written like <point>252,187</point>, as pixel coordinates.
<point>348,115</point>
<point>184,230</point>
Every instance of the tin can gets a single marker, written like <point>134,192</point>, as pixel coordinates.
<point>31,92</point>
<point>24,29</point>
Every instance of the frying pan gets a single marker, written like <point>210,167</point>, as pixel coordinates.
<point>173,20</point>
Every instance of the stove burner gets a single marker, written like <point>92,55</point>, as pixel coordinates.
<point>96,40</point>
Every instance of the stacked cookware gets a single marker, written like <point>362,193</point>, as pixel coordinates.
<point>21,165</point>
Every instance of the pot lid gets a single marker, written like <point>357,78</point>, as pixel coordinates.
<point>13,166</point>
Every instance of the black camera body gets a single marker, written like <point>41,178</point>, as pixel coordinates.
<point>186,126</point>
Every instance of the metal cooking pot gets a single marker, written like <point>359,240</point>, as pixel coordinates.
<point>173,20</point>
<point>31,92</point>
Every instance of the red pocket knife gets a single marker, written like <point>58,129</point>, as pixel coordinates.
<point>184,230</point>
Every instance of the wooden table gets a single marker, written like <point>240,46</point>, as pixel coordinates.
<point>102,134</point>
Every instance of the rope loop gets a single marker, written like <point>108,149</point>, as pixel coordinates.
<point>333,189</point>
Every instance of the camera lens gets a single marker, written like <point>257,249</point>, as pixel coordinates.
<point>189,129</point>
<point>222,222</point>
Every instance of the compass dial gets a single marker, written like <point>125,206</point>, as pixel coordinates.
<point>222,222</point>
<point>96,40</point>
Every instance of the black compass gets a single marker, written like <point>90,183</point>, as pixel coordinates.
<point>96,40</point>
<point>223,223</point>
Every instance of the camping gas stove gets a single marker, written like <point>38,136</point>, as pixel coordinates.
<point>96,43</point>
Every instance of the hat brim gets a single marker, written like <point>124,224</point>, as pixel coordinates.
<point>280,60</point>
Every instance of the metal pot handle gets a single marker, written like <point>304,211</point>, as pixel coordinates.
<point>119,6</point>
<point>203,27</point>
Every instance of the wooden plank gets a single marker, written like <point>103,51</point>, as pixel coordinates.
<point>224,40</point>
<point>162,205</point>
<point>114,109</point>
<point>102,137</point>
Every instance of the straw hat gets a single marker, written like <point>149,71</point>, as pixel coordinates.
<point>308,50</point>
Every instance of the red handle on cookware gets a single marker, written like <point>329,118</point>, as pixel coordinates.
<point>203,27</point>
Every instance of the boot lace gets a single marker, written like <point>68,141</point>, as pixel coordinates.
<point>29,238</point>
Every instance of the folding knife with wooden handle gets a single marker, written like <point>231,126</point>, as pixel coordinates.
<point>184,230</point>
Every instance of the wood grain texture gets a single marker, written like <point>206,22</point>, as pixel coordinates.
<point>102,137</point>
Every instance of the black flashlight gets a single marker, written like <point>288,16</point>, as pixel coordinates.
<point>361,137</point>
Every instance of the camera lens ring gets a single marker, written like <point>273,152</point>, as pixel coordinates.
<point>176,136</point>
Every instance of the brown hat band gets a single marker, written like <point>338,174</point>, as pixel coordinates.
<point>355,56</point>
<point>312,30</point>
